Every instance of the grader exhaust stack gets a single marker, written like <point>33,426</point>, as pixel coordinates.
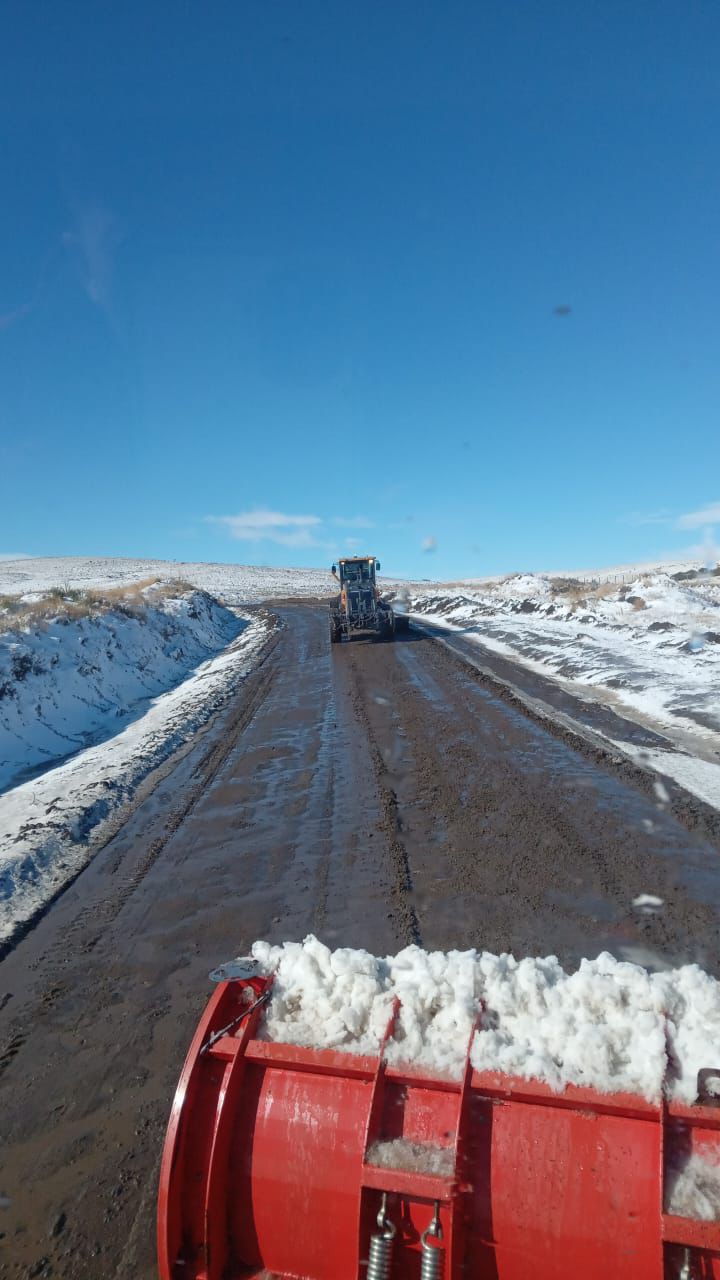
<point>283,1161</point>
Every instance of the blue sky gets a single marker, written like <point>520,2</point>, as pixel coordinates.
<point>282,280</point>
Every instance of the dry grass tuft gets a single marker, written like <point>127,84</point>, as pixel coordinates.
<point>72,603</point>
<point>564,586</point>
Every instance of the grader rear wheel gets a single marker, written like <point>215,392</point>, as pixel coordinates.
<point>386,630</point>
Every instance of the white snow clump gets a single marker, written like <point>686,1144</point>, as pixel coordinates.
<point>610,1025</point>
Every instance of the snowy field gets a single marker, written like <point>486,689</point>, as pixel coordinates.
<point>649,647</point>
<point>235,584</point>
<point>95,693</point>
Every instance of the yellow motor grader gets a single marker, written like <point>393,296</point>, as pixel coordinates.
<point>360,609</point>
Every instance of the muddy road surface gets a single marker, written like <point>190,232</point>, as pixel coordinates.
<point>374,794</point>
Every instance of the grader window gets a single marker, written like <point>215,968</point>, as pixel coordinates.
<point>356,571</point>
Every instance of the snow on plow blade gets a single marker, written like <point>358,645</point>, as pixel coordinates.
<point>283,1161</point>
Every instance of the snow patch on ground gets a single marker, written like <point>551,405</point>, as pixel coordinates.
<point>648,904</point>
<point>609,1025</point>
<point>700,777</point>
<point>51,824</point>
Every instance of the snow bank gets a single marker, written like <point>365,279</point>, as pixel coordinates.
<point>68,680</point>
<point>51,826</point>
<point>523,586</point>
<point>640,604</point>
<point>610,1025</point>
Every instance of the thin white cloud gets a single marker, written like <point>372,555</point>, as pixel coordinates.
<point>429,544</point>
<point>702,519</point>
<point>353,522</point>
<point>10,318</point>
<point>706,553</point>
<point>699,519</point>
<point>710,550</point>
<point>271,526</point>
<point>647,517</point>
<point>92,242</point>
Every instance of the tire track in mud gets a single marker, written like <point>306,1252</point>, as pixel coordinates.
<point>437,773</point>
<point>561,827</point>
<point>322,871</point>
<point>406,919</point>
<point>593,730</point>
<point>519,837</point>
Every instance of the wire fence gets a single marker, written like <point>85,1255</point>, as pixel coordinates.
<point>620,578</point>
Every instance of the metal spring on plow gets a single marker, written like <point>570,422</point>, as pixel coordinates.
<point>381,1246</point>
<point>433,1255</point>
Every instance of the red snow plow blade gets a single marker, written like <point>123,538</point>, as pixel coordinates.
<point>282,1161</point>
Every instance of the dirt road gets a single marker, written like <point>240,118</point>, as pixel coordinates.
<point>374,794</point>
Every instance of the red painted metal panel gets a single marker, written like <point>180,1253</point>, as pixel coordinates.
<point>694,1232</point>
<point>189,1133</point>
<point>265,1168</point>
<point>566,1192</point>
<point>419,1115</point>
<point>297,1171</point>
<point>404,1182</point>
<point>494,1084</point>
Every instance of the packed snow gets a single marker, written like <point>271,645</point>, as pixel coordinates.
<point>415,1157</point>
<point>693,1189</point>
<point>701,777</point>
<point>609,1025</point>
<point>648,904</point>
<point>95,697</point>
<point>649,647</point>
